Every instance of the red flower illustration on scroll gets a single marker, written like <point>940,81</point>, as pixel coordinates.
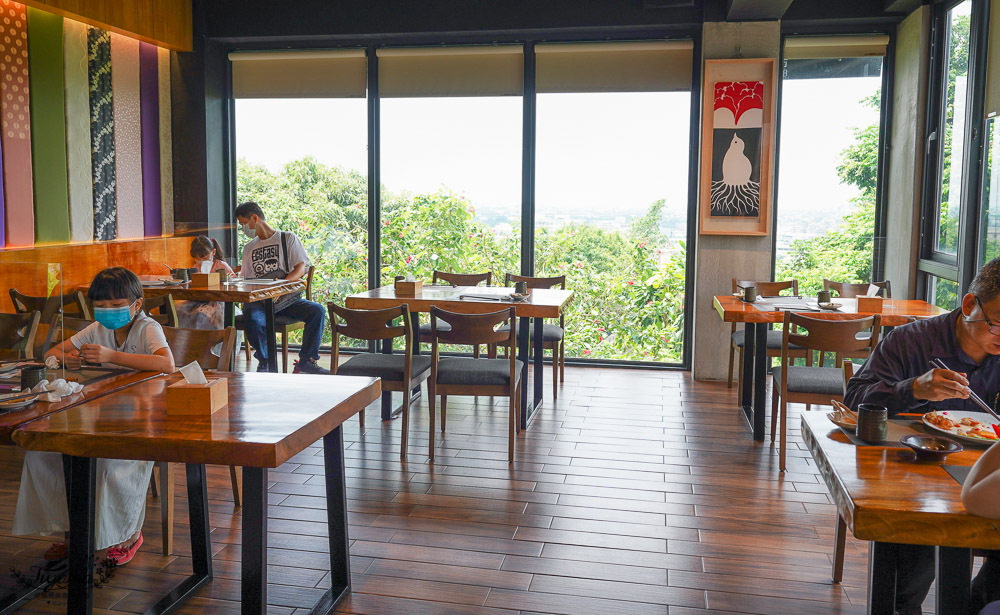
<point>739,97</point>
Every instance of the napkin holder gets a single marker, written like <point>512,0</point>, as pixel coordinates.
<point>186,399</point>
<point>205,279</point>
<point>871,305</point>
<point>408,289</point>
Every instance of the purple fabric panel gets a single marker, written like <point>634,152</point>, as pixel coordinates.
<point>149,96</point>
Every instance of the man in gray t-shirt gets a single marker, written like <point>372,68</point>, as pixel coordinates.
<point>278,255</point>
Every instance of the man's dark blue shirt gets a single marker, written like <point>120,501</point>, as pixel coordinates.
<point>905,353</point>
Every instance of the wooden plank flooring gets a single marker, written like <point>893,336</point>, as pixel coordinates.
<point>637,492</point>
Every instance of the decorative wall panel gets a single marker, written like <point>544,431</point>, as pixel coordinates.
<point>80,171</point>
<point>15,122</point>
<point>102,135</point>
<point>166,144</point>
<point>149,93</point>
<point>128,135</point>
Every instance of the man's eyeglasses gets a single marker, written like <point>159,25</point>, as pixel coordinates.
<point>994,329</point>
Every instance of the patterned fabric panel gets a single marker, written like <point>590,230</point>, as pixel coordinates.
<point>149,92</point>
<point>80,172</point>
<point>48,123</point>
<point>15,122</point>
<point>102,134</point>
<point>166,144</point>
<point>128,135</point>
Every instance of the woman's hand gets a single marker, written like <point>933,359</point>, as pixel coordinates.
<point>97,354</point>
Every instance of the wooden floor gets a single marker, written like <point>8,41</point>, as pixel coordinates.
<point>637,492</point>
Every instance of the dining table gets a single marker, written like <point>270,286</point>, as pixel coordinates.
<point>539,304</point>
<point>229,293</point>
<point>886,496</point>
<point>268,419</point>
<point>757,318</point>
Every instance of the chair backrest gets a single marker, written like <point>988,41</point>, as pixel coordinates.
<point>196,345</point>
<point>848,368</point>
<point>473,329</point>
<point>837,336</point>
<point>851,289</point>
<point>166,309</point>
<point>17,335</point>
<point>767,289</point>
<point>369,324</point>
<point>61,329</point>
<point>309,282</point>
<point>536,282</point>
<point>72,304</point>
<point>463,279</point>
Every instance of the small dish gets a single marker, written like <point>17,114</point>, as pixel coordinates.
<point>934,448</point>
<point>17,404</point>
<point>840,420</point>
<point>518,296</point>
<point>829,306</point>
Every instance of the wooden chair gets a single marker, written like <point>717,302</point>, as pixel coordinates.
<point>552,335</point>
<point>851,289</point>
<point>70,304</point>
<point>458,279</point>
<point>465,376</point>
<point>815,385</point>
<point>283,325</point>
<point>189,345</point>
<point>162,309</point>
<point>62,328</point>
<point>738,336</point>
<point>840,531</point>
<point>399,372</point>
<point>17,335</point>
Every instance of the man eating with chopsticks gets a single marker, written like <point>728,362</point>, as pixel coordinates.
<point>901,375</point>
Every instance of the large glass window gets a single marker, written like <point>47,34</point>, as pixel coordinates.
<point>828,170</point>
<point>989,238</point>
<point>942,292</point>
<point>611,215</point>
<point>305,162</point>
<point>451,175</point>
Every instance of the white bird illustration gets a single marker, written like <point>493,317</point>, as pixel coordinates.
<point>736,167</point>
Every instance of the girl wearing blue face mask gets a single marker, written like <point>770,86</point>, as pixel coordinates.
<point>123,336</point>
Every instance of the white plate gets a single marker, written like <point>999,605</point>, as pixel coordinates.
<point>957,416</point>
<point>830,306</point>
<point>17,404</point>
<point>839,422</point>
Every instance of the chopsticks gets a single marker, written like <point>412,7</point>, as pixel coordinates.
<point>938,363</point>
<point>4,400</point>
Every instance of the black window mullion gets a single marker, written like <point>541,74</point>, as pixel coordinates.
<point>528,163</point>
<point>374,174</point>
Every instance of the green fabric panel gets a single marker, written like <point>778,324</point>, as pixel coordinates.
<point>48,127</point>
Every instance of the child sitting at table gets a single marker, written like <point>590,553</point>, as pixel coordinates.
<point>204,314</point>
<point>122,336</point>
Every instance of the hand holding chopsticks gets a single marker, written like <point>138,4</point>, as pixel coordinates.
<point>939,364</point>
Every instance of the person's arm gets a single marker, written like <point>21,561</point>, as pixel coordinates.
<point>981,491</point>
<point>296,257</point>
<point>67,354</point>
<point>162,360</point>
<point>296,273</point>
<point>887,377</point>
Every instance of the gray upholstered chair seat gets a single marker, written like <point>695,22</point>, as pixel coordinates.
<point>385,366</point>
<point>550,333</point>
<point>480,372</point>
<point>425,329</point>
<point>812,380</point>
<point>773,340</point>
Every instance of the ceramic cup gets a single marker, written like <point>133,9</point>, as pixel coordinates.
<point>521,288</point>
<point>31,375</point>
<point>823,296</point>
<point>873,423</point>
<point>750,293</point>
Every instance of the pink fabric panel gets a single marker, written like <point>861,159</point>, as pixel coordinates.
<point>15,125</point>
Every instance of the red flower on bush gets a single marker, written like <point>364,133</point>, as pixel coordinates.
<point>601,329</point>
<point>631,282</point>
<point>586,352</point>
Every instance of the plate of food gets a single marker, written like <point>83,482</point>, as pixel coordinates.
<point>971,427</point>
<point>829,305</point>
<point>17,402</point>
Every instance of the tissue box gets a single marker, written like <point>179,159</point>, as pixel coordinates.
<point>205,279</point>
<point>185,399</point>
<point>408,289</point>
<point>870,304</point>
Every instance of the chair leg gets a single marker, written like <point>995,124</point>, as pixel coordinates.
<point>732,355</point>
<point>246,346</point>
<point>152,485</point>
<point>839,545</point>
<point>444,405</point>
<point>511,420</point>
<point>555,371</point>
<point>166,504</point>
<point>774,409</point>
<point>562,361</point>
<point>739,376</point>
<point>782,427</point>
<point>475,351</point>
<point>405,427</point>
<point>431,398</point>
<point>236,477</point>
<point>284,353</point>
<point>361,419</point>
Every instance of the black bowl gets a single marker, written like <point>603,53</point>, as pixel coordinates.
<point>931,447</point>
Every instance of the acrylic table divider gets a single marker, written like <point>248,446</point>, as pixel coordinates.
<point>269,419</point>
<point>541,303</point>
<point>757,317</point>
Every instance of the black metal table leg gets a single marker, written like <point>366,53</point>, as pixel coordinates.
<point>201,544</point>
<point>759,382</point>
<point>253,586</point>
<point>336,518</point>
<point>538,343</point>
<point>81,536</point>
<point>228,314</point>
<point>387,395</point>
<point>269,333</point>
<point>881,578</point>
<point>954,580</point>
<point>522,355</point>
<point>746,378</point>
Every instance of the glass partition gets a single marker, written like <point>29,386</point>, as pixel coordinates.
<point>34,305</point>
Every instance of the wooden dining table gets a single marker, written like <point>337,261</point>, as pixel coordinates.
<point>887,497</point>
<point>758,317</point>
<point>241,291</point>
<point>541,303</point>
<point>269,418</point>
